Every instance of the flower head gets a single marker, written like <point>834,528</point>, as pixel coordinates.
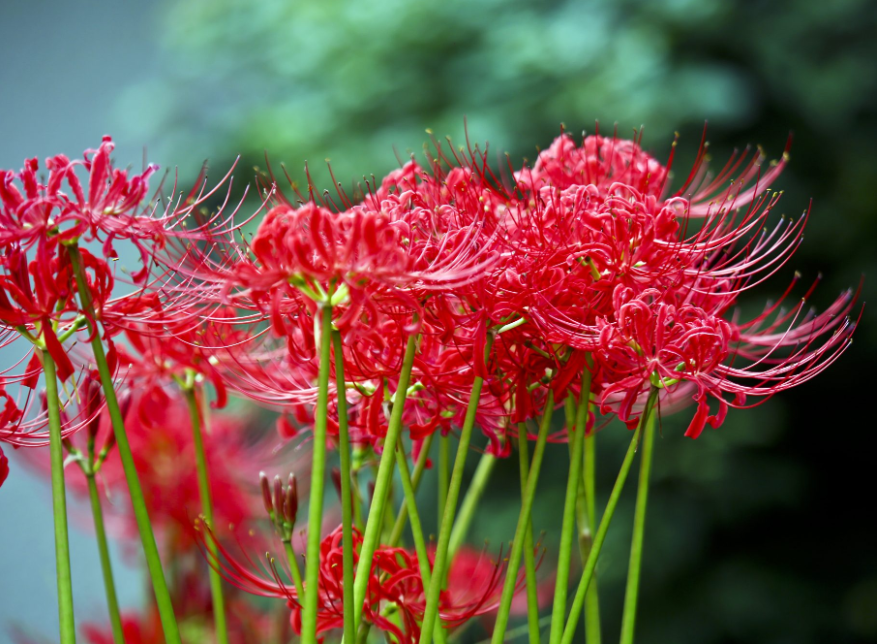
<point>395,598</point>
<point>4,467</point>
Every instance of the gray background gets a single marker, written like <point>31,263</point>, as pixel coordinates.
<point>64,65</point>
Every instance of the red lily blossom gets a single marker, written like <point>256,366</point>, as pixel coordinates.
<point>193,608</point>
<point>412,236</point>
<point>4,467</point>
<point>47,215</point>
<point>136,629</point>
<point>654,343</point>
<point>36,297</point>
<point>160,434</point>
<point>601,161</point>
<point>27,425</point>
<point>395,598</point>
<point>166,351</point>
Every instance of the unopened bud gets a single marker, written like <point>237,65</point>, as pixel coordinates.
<point>278,494</point>
<point>266,493</point>
<point>110,444</point>
<point>125,403</point>
<point>91,394</point>
<point>91,405</point>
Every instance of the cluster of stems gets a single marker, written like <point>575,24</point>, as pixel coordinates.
<point>578,523</point>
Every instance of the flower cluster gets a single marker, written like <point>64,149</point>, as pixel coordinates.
<point>584,254</point>
<point>444,296</point>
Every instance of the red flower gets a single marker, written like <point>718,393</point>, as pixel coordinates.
<point>80,405</point>
<point>136,629</point>
<point>652,342</point>
<point>194,612</point>
<point>35,297</point>
<point>599,162</point>
<point>160,433</point>
<point>47,215</point>
<point>395,599</point>
<point>4,467</point>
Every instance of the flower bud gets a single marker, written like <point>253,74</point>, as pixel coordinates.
<point>110,444</point>
<point>278,496</point>
<point>91,393</point>
<point>266,493</point>
<point>125,400</point>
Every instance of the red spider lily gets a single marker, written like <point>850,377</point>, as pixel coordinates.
<point>4,467</point>
<point>599,161</point>
<point>169,350</point>
<point>593,223</point>
<point>35,298</point>
<point>659,344</point>
<point>46,215</point>
<point>110,206</point>
<point>414,235</point>
<point>193,608</point>
<point>136,629</point>
<point>116,207</point>
<point>26,427</point>
<point>160,434</point>
<point>573,248</point>
<point>654,343</point>
<point>395,599</point>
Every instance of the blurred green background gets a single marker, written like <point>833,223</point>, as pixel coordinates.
<point>758,532</point>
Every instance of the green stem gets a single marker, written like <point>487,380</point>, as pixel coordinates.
<point>219,618</point>
<point>419,468</point>
<point>59,505</point>
<point>411,502</point>
<point>355,488</point>
<point>470,502</point>
<point>520,630</point>
<point>416,527</point>
<point>294,570</point>
<point>318,476</point>
<point>586,518</point>
<point>592,598</point>
<point>430,617</point>
<point>568,528</point>
<point>444,475</point>
<point>628,618</point>
<point>389,514</point>
<point>529,555</point>
<point>138,502</point>
<point>402,517</point>
<point>346,496</point>
<point>382,485</point>
<point>105,563</point>
<point>600,537</point>
<point>511,580</point>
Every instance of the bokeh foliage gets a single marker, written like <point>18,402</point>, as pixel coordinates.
<point>757,532</point>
